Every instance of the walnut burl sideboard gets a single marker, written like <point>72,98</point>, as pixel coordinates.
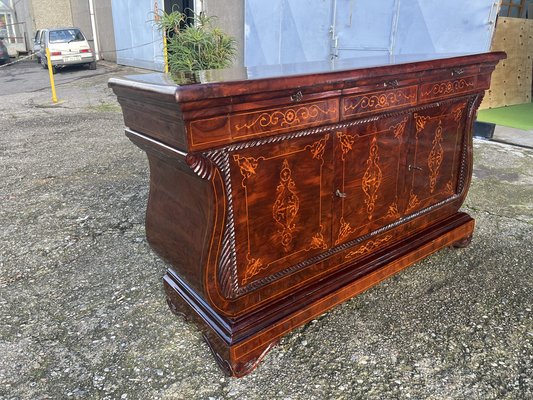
<point>279,192</point>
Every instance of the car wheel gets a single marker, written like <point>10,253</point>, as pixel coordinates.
<point>55,70</point>
<point>92,65</point>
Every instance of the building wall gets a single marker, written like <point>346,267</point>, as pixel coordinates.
<point>23,12</point>
<point>105,29</point>
<point>51,13</point>
<point>104,25</point>
<point>289,31</point>
<point>140,44</point>
<point>81,18</point>
<point>230,18</point>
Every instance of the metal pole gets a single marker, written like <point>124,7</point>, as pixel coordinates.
<point>394,27</point>
<point>93,28</point>
<point>493,14</point>
<point>334,45</point>
<point>157,17</point>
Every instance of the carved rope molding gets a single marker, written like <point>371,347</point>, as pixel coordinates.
<point>473,104</point>
<point>227,268</point>
<point>201,166</point>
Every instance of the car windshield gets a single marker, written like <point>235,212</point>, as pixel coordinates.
<point>66,36</point>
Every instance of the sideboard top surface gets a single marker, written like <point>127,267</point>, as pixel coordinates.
<point>201,85</point>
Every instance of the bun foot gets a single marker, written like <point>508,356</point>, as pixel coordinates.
<point>462,243</point>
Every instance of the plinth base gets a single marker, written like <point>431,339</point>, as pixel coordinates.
<point>239,344</point>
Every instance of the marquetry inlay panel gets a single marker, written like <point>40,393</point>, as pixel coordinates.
<point>383,100</point>
<point>283,119</point>
<point>448,88</point>
<point>272,210</point>
<point>436,151</point>
<point>369,176</point>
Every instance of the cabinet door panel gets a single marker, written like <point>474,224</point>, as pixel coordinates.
<point>435,150</point>
<point>281,203</point>
<point>369,174</point>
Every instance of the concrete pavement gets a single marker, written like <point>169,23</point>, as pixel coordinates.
<point>82,311</point>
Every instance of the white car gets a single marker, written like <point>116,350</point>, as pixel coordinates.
<point>67,46</point>
<point>37,46</point>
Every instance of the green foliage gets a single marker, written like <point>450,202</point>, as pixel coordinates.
<point>195,47</point>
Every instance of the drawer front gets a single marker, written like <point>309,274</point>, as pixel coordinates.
<point>284,119</point>
<point>447,88</point>
<point>208,132</point>
<point>367,103</point>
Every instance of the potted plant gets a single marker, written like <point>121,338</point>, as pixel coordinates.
<point>195,45</point>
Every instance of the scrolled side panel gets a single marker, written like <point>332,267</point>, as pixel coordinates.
<point>180,212</point>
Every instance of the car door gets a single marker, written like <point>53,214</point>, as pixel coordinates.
<point>37,45</point>
<point>37,41</point>
<point>42,44</point>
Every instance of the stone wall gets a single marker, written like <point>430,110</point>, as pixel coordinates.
<point>51,13</point>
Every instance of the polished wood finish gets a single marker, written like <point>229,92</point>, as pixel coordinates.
<point>276,194</point>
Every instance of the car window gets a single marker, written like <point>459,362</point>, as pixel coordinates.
<point>37,36</point>
<point>66,36</point>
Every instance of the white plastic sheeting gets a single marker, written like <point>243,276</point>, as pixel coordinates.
<point>287,31</point>
<point>138,42</point>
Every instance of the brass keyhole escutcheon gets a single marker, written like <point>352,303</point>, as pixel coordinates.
<point>296,97</point>
<point>340,194</point>
<point>458,71</point>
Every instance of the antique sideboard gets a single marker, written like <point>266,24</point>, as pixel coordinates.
<point>278,192</point>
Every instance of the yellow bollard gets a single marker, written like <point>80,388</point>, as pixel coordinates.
<point>165,51</point>
<point>51,73</point>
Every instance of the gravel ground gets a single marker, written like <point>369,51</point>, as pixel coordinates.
<point>82,311</point>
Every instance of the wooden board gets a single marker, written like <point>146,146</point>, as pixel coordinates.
<point>512,79</point>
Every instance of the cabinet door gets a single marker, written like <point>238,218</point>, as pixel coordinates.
<point>369,174</point>
<point>281,196</point>
<point>435,154</point>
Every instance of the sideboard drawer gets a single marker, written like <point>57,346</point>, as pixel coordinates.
<point>224,129</point>
<point>448,88</point>
<point>284,119</point>
<point>367,103</point>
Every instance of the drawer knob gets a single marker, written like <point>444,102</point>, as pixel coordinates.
<point>340,194</point>
<point>391,84</point>
<point>296,97</point>
<point>458,71</point>
<point>411,167</point>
